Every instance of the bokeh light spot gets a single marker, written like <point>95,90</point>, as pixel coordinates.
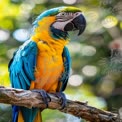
<point>109,21</point>
<point>92,15</point>
<point>4,35</point>
<point>74,47</point>
<point>21,35</point>
<point>88,51</point>
<point>89,70</point>
<point>70,2</point>
<point>75,80</point>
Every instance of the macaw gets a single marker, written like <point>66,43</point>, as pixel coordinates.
<point>43,62</point>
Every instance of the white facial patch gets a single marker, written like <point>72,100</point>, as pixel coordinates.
<point>60,25</point>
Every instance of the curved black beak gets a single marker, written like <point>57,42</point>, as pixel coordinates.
<point>78,23</point>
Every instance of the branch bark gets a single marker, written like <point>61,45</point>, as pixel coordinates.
<point>31,99</point>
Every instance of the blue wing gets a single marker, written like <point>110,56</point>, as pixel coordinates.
<point>21,68</point>
<point>67,64</point>
<point>22,65</point>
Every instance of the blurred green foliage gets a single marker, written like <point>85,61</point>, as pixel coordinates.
<point>96,62</point>
<point>4,77</point>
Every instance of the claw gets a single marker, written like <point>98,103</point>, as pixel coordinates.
<point>46,98</point>
<point>62,98</point>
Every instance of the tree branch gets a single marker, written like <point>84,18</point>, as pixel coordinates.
<point>31,99</point>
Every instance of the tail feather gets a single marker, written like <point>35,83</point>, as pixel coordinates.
<point>20,117</point>
<point>15,112</point>
<point>29,114</point>
<point>38,117</point>
<point>22,114</point>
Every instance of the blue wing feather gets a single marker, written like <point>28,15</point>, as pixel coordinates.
<point>22,65</point>
<point>67,64</point>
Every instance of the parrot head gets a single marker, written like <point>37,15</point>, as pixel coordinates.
<point>57,22</point>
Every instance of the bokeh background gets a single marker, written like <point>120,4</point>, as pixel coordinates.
<point>96,74</point>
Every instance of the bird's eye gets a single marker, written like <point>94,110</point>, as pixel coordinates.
<point>62,14</point>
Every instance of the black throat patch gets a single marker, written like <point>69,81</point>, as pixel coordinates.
<point>59,34</point>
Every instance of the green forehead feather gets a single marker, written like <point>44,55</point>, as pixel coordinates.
<point>70,9</point>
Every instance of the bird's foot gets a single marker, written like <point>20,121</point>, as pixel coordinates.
<point>62,99</point>
<point>45,97</point>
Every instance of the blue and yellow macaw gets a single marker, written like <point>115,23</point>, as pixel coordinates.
<point>43,61</point>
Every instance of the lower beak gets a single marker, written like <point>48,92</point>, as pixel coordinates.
<point>78,23</point>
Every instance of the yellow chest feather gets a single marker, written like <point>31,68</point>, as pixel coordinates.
<point>48,71</point>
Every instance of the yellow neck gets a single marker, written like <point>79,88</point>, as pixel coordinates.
<point>42,36</point>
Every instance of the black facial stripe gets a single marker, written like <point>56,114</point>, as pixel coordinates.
<point>65,14</point>
<point>63,18</point>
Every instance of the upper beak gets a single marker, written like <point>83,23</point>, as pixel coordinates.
<point>78,23</point>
